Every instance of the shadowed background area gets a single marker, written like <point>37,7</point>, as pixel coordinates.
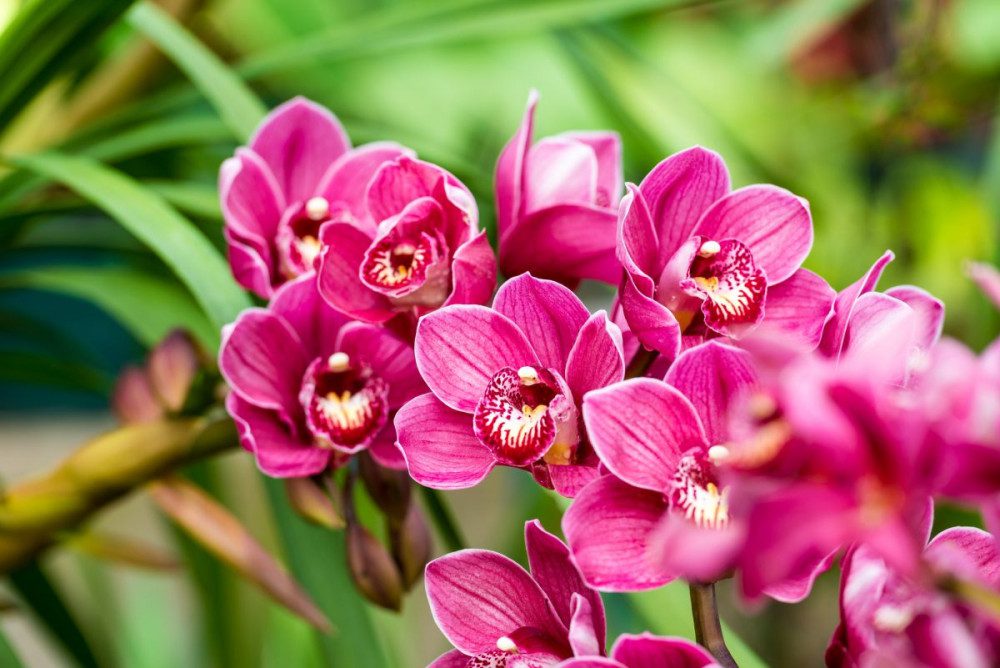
<point>882,113</point>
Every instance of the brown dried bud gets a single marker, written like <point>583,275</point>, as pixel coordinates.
<point>411,546</point>
<point>313,503</point>
<point>173,366</point>
<point>133,399</point>
<point>372,568</point>
<point>390,490</point>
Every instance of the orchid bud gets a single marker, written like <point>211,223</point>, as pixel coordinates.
<point>411,546</point>
<point>173,369</point>
<point>312,503</point>
<point>390,490</point>
<point>372,568</point>
<point>133,399</point>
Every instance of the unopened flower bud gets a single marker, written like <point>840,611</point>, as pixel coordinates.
<point>133,399</point>
<point>313,503</point>
<point>411,546</point>
<point>173,365</point>
<point>373,570</point>
<point>390,490</point>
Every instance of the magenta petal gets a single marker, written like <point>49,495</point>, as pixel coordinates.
<point>249,265</point>
<point>339,283</point>
<point>607,146</point>
<point>568,479</point>
<point>385,450</point>
<point>278,453</point>
<point>398,183</point>
<point>835,330</point>
<point>473,272</point>
<point>799,308</point>
<point>317,323</point>
<point>678,191</point>
<point>700,554</point>
<point>713,376</point>
<point>263,360</point>
<point>583,638</point>
<point>649,651</point>
<point>650,321</point>
<point>554,571</point>
<point>596,358</point>
<point>608,528</point>
<point>252,203</point>
<point>440,448</point>
<point>389,357</point>
<point>548,313</point>
<point>452,659</point>
<point>928,310</point>
<point>566,242</point>
<point>559,171</point>
<point>987,278</point>
<point>510,171</point>
<point>347,179</point>
<point>968,553</point>
<point>591,662</point>
<point>454,360</point>
<point>774,223</point>
<point>477,597</point>
<point>299,140</point>
<point>640,428</point>
<point>882,331</point>
<point>637,246</point>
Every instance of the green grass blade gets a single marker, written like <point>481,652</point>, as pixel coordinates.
<point>154,222</point>
<point>39,594</point>
<point>8,657</point>
<point>235,103</point>
<point>33,368</point>
<point>146,305</point>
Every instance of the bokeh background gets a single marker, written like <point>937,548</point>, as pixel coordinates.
<point>882,113</point>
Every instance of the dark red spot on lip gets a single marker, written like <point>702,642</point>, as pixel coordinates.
<point>513,417</point>
<point>345,407</point>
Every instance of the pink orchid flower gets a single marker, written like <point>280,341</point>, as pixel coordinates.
<point>505,388</point>
<point>498,615</point>
<point>702,261</point>
<point>556,204</point>
<point>889,619</point>
<point>987,278</point>
<point>424,249</point>
<point>298,173</point>
<point>864,319</point>
<point>310,388</point>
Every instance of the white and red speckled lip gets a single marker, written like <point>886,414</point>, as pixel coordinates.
<point>725,276</point>
<point>298,236</point>
<point>696,493</point>
<point>345,403</point>
<point>514,418</point>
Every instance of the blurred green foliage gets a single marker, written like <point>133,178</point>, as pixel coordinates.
<point>882,113</point>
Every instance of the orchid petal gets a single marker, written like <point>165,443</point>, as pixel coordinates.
<point>596,359</point>
<point>799,307</point>
<point>510,172</point>
<point>252,203</point>
<point>389,357</point>
<point>473,272</point>
<point>278,453</point>
<point>607,147</point>
<point>583,638</point>
<point>649,651</point>
<point>928,310</point>
<point>836,329</point>
<point>339,283</point>
<point>651,322</point>
<point>347,179</point>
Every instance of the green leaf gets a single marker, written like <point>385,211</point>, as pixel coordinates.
<point>36,369</point>
<point>8,657</point>
<point>235,103</point>
<point>39,594</point>
<point>44,37</point>
<point>154,222</point>
<point>197,199</point>
<point>148,306</point>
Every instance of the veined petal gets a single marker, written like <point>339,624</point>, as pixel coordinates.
<point>775,224</point>
<point>640,428</point>
<point>608,528</point>
<point>317,323</point>
<point>440,448</point>
<point>638,245</point>
<point>559,171</point>
<point>596,358</point>
<point>882,334</point>
<point>250,264</point>
<point>967,552</point>
<point>347,179</point>
<point>799,307</point>
<point>279,454</point>
<point>251,200</point>
<point>836,329</point>
<point>607,146</point>
<point>554,571</point>
<point>398,183</point>
<point>477,597</point>
<point>473,272</point>
<point>344,250</point>
<point>548,314</point>
<point>928,311</point>
<point>453,360</point>
<point>583,637</point>
<point>385,450</point>
<point>649,651</point>
<point>451,659</point>
<point>679,191</point>
<point>389,357</point>
<point>568,479</point>
<point>713,376</point>
<point>510,172</point>
<point>299,140</point>
<point>650,321</point>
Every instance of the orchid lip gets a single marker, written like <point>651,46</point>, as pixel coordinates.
<point>345,403</point>
<point>514,418</point>
<point>695,492</point>
<point>725,277</point>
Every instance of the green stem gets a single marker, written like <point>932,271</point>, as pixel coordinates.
<point>443,519</point>
<point>707,627</point>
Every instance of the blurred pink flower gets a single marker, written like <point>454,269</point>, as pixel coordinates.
<point>424,252</point>
<point>648,651</point>
<point>298,173</point>
<point>506,384</point>
<point>888,619</point>
<point>987,278</point>
<point>702,261</point>
<point>310,388</point>
<point>556,201</point>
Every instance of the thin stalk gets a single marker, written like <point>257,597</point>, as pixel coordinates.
<point>443,519</point>
<point>707,628</point>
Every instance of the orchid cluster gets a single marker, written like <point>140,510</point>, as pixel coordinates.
<point>729,415</point>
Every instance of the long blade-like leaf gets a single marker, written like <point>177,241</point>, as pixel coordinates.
<point>38,594</point>
<point>154,222</point>
<point>236,104</point>
<point>7,655</point>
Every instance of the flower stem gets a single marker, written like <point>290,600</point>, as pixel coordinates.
<point>443,519</point>
<point>707,628</point>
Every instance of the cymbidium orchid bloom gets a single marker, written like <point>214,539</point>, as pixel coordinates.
<point>505,388</point>
<point>556,204</point>
<point>892,620</point>
<point>423,249</point>
<point>703,262</point>
<point>498,615</point>
<point>309,388</point>
<point>297,173</point>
